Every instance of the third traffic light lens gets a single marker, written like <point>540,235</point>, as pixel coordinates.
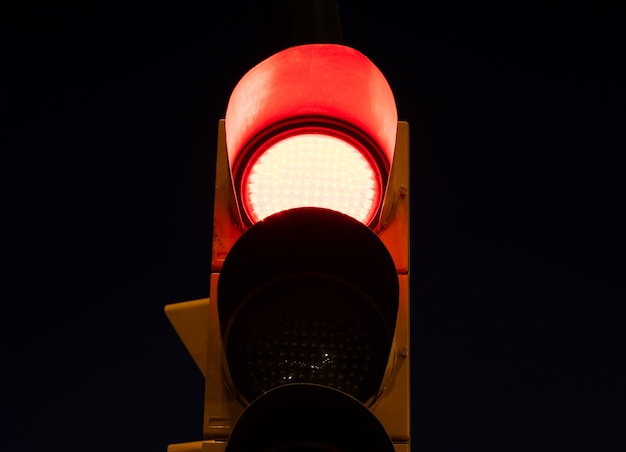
<point>308,418</point>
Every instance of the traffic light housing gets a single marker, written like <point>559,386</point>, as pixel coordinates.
<point>305,340</point>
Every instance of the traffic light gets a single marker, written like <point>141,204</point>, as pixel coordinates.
<point>304,341</point>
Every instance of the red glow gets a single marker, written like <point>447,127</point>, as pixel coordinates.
<point>325,89</point>
<point>312,170</point>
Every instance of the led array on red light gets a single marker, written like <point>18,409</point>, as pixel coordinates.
<point>311,126</point>
<point>312,170</point>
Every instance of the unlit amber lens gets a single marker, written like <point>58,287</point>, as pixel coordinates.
<point>308,331</point>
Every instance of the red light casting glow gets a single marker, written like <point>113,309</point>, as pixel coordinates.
<point>312,170</point>
<point>311,126</point>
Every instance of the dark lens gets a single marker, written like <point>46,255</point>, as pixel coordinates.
<point>308,329</point>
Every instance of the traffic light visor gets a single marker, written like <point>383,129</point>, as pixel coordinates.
<point>311,126</point>
<point>308,418</point>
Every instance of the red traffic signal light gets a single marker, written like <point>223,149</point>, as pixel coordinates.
<point>308,319</point>
<point>313,125</point>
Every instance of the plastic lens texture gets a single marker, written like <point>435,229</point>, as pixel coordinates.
<point>308,330</point>
<point>312,170</point>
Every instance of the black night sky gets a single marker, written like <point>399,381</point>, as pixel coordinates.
<point>518,133</point>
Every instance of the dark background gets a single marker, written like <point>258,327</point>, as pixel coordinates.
<point>108,133</point>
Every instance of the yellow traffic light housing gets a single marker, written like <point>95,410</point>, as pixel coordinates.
<point>309,307</point>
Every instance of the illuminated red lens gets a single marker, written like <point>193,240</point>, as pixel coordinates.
<point>312,170</point>
<point>311,126</point>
